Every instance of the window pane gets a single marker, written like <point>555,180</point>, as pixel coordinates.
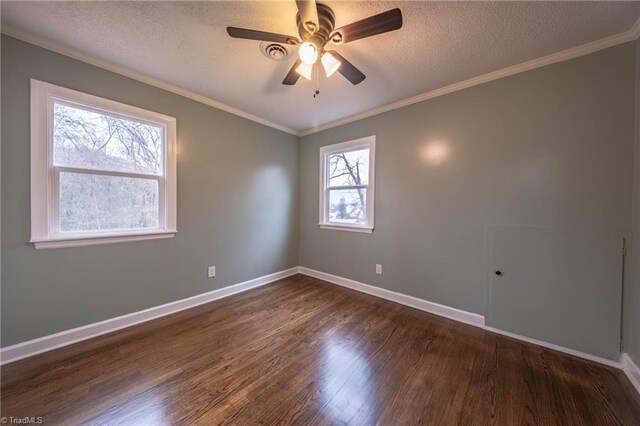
<point>99,203</point>
<point>348,206</point>
<point>349,168</point>
<point>92,140</point>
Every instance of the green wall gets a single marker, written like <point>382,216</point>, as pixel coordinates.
<point>237,208</point>
<point>631,324</point>
<point>550,148</point>
<point>547,148</point>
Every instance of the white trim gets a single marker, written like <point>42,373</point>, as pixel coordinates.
<point>64,338</point>
<point>366,142</point>
<point>565,55</point>
<point>361,229</point>
<point>554,347</point>
<point>631,370</point>
<point>632,34</point>
<point>421,304</point>
<point>447,312</point>
<point>98,240</point>
<point>109,66</point>
<point>45,175</point>
<point>39,162</point>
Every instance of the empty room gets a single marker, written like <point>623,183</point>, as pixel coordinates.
<point>320,212</point>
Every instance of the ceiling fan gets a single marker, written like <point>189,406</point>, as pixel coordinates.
<point>316,24</point>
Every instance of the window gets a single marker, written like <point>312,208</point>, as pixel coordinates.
<point>101,171</point>
<point>347,185</point>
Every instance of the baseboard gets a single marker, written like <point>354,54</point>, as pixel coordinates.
<point>421,304</point>
<point>447,312</point>
<point>631,370</point>
<point>68,337</point>
<point>569,351</point>
<point>75,335</point>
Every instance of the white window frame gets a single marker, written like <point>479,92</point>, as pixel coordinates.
<point>325,151</point>
<point>45,176</point>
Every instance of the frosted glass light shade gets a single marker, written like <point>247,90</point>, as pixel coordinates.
<point>330,64</point>
<point>308,53</point>
<point>305,70</point>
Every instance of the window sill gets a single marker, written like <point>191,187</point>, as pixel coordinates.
<point>96,239</point>
<point>334,227</point>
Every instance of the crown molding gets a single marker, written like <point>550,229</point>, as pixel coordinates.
<point>632,34</point>
<point>109,66</point>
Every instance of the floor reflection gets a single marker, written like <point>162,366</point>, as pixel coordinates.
<point>146,409</point>
<point>347,387</point>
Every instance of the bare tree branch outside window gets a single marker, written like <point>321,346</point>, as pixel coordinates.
<point>86,140</point>
<point>348,174</point>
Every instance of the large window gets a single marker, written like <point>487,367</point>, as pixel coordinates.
<point>101,171</point>
<point>347,185</point>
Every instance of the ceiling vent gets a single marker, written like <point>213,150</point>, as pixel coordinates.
<point>274,51</point>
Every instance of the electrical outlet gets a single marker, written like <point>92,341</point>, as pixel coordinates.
<point>211,271</point>
<point>378,269</point>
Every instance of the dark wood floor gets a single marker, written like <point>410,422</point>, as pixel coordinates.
<point>307,352</point>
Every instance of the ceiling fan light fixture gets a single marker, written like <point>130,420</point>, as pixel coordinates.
<point>305,70</point>
<point>308,53</point>
<point>316,28</point>
<point>330,64</point>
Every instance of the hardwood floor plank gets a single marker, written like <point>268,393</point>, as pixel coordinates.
<point>302,351</point>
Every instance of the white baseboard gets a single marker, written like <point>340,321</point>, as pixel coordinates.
<point>68,337</point>
<point>631,370</point>
<point>403,299</point>
<point>447,312</point>
<point>579,354</point>
<point>626,363</point>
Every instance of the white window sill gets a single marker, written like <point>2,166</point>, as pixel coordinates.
<point>335,227</point>
<point>97,239</point>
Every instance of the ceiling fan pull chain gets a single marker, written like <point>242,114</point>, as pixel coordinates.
<point>315,71</point>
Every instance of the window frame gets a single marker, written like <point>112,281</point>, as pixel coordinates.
<point>45,175</point>
<point>325,151</point>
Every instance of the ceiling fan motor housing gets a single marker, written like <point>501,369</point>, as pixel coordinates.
<point>326,21</point>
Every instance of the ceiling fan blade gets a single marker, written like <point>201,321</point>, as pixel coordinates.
<point>386,21</point>
<point>261,35</point>
<point>292,77</point>
<point>347,69</point>
<point>308,12</point>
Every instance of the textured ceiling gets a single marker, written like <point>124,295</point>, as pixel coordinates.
<point>185,43</point>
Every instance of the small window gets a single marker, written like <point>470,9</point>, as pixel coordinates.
<point>347,185</point>
<point>101,171</point>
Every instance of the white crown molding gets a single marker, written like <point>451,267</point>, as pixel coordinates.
<point>631,370</point>
<point>574,52</point>
<point>632,34</point>
<point>109,66</point>
<point>75,335</point>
